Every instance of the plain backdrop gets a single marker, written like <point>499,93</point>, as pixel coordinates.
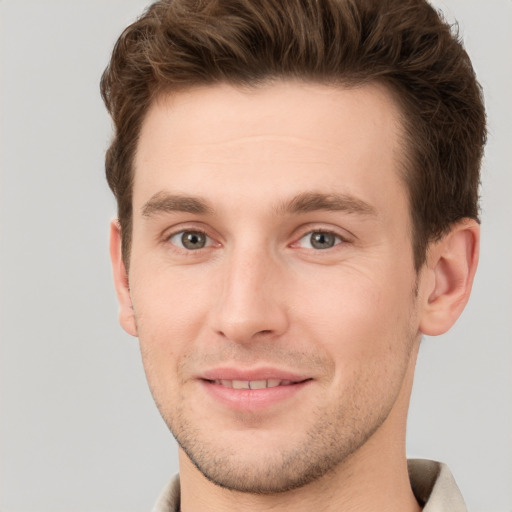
<point>78,429</point>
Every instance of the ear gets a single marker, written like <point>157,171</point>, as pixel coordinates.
<point>126,311</point>
<point>451,266</point>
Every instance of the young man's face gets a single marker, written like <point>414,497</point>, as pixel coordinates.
<point>272,251</point>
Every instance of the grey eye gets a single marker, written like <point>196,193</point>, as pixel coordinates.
<point>190,240</point>
<point>319,240</point>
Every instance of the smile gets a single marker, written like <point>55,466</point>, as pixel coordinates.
<point>253,384</point>
<point>255,392</point>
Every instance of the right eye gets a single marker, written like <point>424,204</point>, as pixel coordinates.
<point>190,240</point>
<point>320,240</point>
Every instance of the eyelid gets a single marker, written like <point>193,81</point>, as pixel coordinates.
<point>338,240</point>
<point>344,235</point>
<point>179,234</point>
<point>180,229</point>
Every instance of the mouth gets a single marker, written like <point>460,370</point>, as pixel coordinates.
<point>254,384</point>
<point>253,391</point>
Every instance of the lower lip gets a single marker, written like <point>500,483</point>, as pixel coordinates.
<point>252,399</point>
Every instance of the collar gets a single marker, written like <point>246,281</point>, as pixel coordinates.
<point>434,487</point>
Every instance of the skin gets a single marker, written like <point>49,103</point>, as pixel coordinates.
<point>259,169</point>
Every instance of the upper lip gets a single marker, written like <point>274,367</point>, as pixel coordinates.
<point>252,374</point>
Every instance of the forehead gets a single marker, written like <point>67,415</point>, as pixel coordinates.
<point>270,140</point>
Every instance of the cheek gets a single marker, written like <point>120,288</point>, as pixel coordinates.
<point>170,313</point>
<point>166,330</point>
<point>357,317</point>
<point>341,301</point>
<point>169,299</point>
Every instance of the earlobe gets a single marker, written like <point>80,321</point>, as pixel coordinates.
<point>451,267</point>
<point>126,312</point>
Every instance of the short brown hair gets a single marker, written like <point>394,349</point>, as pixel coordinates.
<point>404,44</point>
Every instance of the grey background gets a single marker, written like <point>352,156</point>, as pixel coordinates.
<point>78,428</point>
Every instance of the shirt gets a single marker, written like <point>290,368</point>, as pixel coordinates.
<point>432,484</point>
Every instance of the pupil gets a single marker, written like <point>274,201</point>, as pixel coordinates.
<point>193,240</point>
<point>322,240</point>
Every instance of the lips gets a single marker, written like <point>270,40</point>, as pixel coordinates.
<point>253,390</point>
<point>253,384</point>
<point>256,378</point>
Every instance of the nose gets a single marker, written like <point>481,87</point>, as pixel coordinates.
<point>251,303</point>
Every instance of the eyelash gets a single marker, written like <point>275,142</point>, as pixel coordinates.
<point>339,240</point>
<point>180,233</point>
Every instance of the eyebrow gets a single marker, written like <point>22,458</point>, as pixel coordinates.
<point>306,202</point>
<point>163,202</point>
<point>314,201</point>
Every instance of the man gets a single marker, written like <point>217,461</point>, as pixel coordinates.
<point>297,188</point>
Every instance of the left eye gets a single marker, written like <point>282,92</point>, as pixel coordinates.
<point>190,240</point>
<point>319,240</point>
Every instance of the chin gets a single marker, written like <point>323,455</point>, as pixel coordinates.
<point>268,475</point>
<point>252,462</point>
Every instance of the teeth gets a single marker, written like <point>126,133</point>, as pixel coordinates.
<point>241,384</point>
<point>258,384</point>
<point>253,384</point>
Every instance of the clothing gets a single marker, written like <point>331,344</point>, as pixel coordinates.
<point>432,484</point>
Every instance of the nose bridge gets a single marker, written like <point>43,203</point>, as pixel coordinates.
<point>250,300</point>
